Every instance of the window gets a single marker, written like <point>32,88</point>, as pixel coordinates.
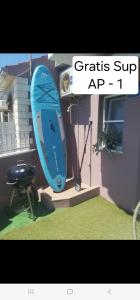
<point>5,116</point>
<point>113,121</point>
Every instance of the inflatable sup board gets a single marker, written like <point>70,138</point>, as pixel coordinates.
<point>48,128</point>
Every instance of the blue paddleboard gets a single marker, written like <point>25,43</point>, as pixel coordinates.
<point>48,128</point>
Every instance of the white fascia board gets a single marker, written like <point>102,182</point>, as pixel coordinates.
<point>66,58</point>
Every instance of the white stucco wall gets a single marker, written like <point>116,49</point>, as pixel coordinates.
<point>66,58</point>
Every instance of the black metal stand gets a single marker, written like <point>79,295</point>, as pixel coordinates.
<point>20,191</point>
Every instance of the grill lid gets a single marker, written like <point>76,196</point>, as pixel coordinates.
<point>21,171</point>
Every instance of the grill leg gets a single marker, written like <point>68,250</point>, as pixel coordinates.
<point>12,198</point>
<point>30,204</point>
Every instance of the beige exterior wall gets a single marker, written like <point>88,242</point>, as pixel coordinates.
<point>118,177</point>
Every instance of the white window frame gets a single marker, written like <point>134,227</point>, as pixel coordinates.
<point>2,113</point>
<point>113,98</point>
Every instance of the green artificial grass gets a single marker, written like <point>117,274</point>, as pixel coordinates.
<point>95,219</point>
<point>16,220</point>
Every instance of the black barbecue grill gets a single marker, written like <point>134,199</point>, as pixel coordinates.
<point>22,178</point>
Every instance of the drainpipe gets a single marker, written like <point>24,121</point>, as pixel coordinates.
<point>30,60</point>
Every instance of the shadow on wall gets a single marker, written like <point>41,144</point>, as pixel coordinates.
<point>76,116</point>
<point>41,181</point>
<point>74,153</point>
<point>113,183</point>
<point>120,174</point>
<point>138,179</point>
<point>70,139</point>
<point>80,110</point>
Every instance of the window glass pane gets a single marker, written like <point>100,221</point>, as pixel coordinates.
<point>5,116</point>
<point>114,135</point>
<point>114,109</point>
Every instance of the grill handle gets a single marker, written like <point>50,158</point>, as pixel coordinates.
<point>20,161</point>
<point>11,183</point>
